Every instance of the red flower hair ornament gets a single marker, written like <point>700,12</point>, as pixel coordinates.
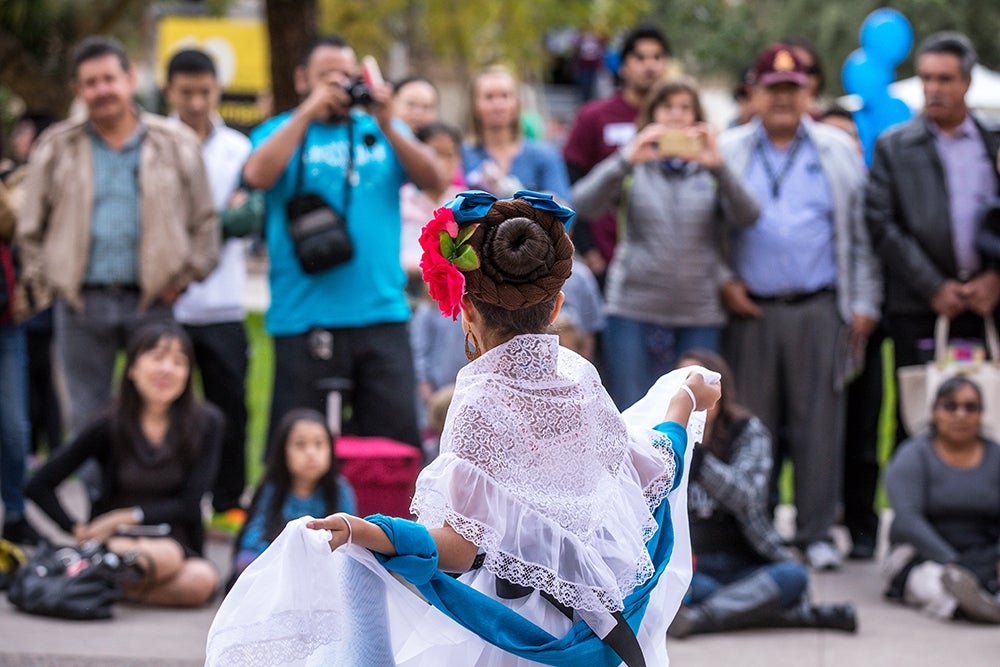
<point>446,256</point>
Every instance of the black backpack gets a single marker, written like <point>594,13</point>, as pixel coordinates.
<point>77,583</point>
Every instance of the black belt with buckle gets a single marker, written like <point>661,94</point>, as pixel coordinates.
<point>791,298</point>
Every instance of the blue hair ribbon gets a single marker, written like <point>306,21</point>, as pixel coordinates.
<point>473,205</point>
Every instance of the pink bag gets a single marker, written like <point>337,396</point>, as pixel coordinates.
<point>383,473</point>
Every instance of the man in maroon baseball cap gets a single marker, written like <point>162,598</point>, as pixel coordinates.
<point>779,63</point>
<point>805,287</point>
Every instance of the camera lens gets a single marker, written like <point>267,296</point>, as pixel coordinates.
<point>359,93</point>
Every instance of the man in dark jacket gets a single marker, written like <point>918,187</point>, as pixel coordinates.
<point>930,179</point>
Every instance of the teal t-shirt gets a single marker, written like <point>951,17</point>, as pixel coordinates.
<point>368,289</point>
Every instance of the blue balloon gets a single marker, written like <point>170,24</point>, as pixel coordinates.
<point>886,36</point>
<point>866,133</point>
<point>891,111</point>
<point>612,60</point>
<point>877,116</point>
<point>863,76</point>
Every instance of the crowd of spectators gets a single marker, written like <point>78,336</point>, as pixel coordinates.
<point>770,245</point>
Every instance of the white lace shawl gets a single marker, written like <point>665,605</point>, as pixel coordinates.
<point>538,469</point>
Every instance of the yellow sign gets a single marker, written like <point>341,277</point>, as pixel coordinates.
<point>239,48</point>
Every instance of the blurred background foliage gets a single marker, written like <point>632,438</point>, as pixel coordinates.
<point>713,39</point>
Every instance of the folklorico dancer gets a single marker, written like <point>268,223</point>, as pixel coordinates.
<point>562,520</point>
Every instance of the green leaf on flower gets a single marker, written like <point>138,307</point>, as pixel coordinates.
<point>447,244</point>
<point>465,233</point>
<point>466,259</point>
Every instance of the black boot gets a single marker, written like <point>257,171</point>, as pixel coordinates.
<point>19,531</point>
<point>806,615</point>
<point>746,603</point>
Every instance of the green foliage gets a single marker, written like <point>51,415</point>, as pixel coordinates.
<point>260,377</point>
<point>711,37</point>
<point>471,35</point>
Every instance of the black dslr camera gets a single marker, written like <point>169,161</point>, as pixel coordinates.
<point>361,94</point>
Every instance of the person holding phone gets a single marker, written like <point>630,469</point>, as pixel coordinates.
<point>675,197</point>
<point>158,448</point>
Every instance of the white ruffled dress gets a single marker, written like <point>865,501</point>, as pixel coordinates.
<point>540,471</point>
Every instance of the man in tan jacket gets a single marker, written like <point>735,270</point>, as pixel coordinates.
<point>117,220</point>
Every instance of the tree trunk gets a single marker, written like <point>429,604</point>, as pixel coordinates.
<point>291,26</point>
<point>41,90</point>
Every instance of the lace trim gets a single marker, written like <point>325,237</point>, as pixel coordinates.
<point>656,491</point>
<point>573,595</point>
<point>281,638</point>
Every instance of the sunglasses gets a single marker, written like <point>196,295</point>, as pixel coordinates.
<point>971,407</point>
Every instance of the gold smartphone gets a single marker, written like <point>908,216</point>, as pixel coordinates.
<point>679,142</point>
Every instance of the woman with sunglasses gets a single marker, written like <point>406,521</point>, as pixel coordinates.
<point>944,486</point>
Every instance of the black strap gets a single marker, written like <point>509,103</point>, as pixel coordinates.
<point>776,177</point>
<point>348,173</point>
<point>621,639</point>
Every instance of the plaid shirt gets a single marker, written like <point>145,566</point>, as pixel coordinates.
<point>740,488</point>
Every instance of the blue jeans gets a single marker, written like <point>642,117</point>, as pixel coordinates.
<point>713,571</point>
<point>14,426</point>
<point>638,353</point>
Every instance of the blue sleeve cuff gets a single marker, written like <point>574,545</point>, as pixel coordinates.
<point>416,556</point>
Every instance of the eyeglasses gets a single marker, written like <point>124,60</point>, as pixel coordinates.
<point>971,407</point>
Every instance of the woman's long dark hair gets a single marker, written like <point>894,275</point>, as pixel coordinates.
<point>186,413</point>
<point>731,415</point>
<point>277,476</point>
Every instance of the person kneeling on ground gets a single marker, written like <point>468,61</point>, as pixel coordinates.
<point>158,448</point>
<point>745,577</point>
<point>943,489</point>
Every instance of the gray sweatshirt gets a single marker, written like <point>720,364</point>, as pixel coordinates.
<point>943,511</point>
<point>668,263</point>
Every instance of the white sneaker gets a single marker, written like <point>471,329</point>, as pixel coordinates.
<point>977,604</point>
<point>823,555</point>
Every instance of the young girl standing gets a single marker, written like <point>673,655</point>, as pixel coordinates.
<point>301,479</point>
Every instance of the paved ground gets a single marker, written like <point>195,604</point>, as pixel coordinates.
<point>889,635</point>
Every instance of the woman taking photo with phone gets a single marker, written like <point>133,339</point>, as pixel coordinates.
<point>158,449</point>
<point>675,199</point>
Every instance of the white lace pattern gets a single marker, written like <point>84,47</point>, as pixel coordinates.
<point>539,470</point>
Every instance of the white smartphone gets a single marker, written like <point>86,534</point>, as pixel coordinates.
<point>371,73</point>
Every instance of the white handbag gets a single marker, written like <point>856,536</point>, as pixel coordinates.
<point>918,384</point>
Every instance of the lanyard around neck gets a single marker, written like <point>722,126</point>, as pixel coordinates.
<point>775,177</point>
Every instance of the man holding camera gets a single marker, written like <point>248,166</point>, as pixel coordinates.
<point>347,321</point>
<point>807,290</point>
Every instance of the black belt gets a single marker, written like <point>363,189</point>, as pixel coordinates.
<point>116,288</point>
<point>791,298</point>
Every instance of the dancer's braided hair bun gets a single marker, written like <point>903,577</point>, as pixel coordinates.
<point>525,256</point>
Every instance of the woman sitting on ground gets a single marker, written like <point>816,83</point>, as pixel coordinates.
<point>158,448</point>
<point>944,487</point>
<point>744,575</point>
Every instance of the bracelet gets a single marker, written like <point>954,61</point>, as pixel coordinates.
<point>694,403</point>
<point>350,533</point>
